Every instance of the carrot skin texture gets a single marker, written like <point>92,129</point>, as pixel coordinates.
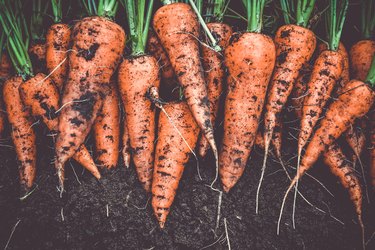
<point>354,102</point>
<point>214,73</point>
<point>326,72</point>
<point>250,58</point>
<point>295,46</point>
<point>361,55</point>
<point>57,46</point>
<point>107,130</point>
<point>135,77</point>
<point>22,132</point>
<point>177,27</point>
<point>168,79</point>
<point>299,90</point>
<point>41,96</point>
<point>171,155</point>
<point>97,47</point>
<point>37,52</point>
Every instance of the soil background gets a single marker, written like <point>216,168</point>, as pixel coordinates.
<point>115,213</point>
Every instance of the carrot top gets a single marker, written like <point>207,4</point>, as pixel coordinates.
<point>297,11</point>
<point>17,36</point>
<point>39,12</point>
<point>370,79</point>
<point>214,9</point>
<point>254,11</point>
<point>102,8</point>
<point>367,24</point>
<point>57,10</point>
<point>139,22</point>
<point>335,19</point>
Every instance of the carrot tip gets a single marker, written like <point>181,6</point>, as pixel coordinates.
<point>161,224</point>
<point>226,189</point>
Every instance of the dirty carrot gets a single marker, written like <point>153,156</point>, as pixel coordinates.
<point>42,97</point>
<point>295,45</point>
<point>57,45</point>
<point>97,46</point>
<point>137,74</point>
<point>177,27</point>
<point>178,134</point>
<point>250,57</point>
<point>213,66</point>
<point>354,102</point>
<point>126,150</point>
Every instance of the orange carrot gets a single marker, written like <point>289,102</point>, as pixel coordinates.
<point>41,96</point>
<point>177,136</point>
<point>107,130</point>
<point>299,90</point>
<point>97,47</point>
<point>361,55</point>
<point>295,46</point>
<point>250,58</point>
<point>136,76</point>
<point>177,27</point>
<point>22,132</point>
<point>57,45</point>
<point>354,102</point>
<point>126,155</point>
<point>214,73</point>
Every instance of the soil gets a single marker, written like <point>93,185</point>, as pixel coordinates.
<point>115,213</point>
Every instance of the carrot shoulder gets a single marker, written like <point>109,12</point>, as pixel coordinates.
<point>177,135</point>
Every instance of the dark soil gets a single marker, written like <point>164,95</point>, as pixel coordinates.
<point>79,220</point>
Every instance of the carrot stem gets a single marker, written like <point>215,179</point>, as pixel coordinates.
<point>39,12</point>
<point>213,41</point>
<point>367,19</point>
<point>57,10</point>
<point>335,22</point>
<point>370,79</point>
<point>15,37</point>
<point>254,10</point>
<point>102,8</point>
<point>299,14</point>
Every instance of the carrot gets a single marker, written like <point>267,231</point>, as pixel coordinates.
<point>177,28</point>
<point>41,96</point>
<point>354,102</point>
<point>168,86</point>
<point>277,137</point>
<point>214,73</point>
<point>22,131</point>
<point>250,58</point>
<point>19,117</point>
<point>107,130</point>
<point>57,45</point>
<point>136,77</point>
<point>340,166</point>
<point>259,140</point>
<point>97,46</point>
<point>295,45</point>
<point>137,74</point>
<point>177,136</point>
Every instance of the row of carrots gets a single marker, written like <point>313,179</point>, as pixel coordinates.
<point>190,58</point>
